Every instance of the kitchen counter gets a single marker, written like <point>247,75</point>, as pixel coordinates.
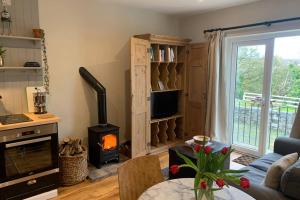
<point>36,120</point>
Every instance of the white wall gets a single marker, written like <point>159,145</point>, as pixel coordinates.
<point>264,10</point>
<point>95,35</point>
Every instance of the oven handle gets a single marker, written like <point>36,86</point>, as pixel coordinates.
<point>16,144</point>
<point>30,178</point>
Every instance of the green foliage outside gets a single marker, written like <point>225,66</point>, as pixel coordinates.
<point>249,79</point>
<point>250,71</point>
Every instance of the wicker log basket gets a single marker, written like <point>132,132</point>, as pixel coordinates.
<point>72,162</point>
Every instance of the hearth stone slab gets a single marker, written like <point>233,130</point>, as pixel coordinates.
<point>106,170</point>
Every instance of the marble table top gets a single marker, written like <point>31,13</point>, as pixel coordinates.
<point>182,189</point>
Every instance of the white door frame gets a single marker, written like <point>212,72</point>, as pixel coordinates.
<point>231,46</point>
<point>269,44</point>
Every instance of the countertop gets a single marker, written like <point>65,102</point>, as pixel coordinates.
<point>36,120</point>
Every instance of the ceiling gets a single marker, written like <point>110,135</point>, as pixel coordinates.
<point>182,7</point>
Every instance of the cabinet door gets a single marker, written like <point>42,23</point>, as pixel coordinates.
<point>140,97</point>
<point>197,76</point>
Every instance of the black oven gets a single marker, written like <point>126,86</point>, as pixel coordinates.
<point>28,155</point>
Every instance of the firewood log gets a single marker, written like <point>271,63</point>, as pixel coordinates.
<point>71,147</point>
<point>66,140</point>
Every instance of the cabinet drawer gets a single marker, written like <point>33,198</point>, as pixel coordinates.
<point>30,188</point>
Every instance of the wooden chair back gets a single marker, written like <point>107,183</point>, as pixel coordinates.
<point>137,175</point>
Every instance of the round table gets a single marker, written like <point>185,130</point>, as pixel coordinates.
<point>181,189</point>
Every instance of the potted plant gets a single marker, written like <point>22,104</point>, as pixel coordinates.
<point>2,54</point>
<point>210,173</point>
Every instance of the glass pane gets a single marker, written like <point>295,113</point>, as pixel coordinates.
<point>28,158</point>
<point>285,88</point>
<point>248,95</point>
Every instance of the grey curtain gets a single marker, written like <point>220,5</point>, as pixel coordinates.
<point>295,133</point>
<point>218,93</point>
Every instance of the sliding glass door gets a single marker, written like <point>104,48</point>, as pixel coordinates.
<point>285,88</point>
<point>265,88</point>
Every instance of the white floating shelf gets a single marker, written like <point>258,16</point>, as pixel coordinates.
<point>19,37</point>
<point>21,68</point>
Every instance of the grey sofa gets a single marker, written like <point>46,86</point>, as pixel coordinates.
<point>290,185</point>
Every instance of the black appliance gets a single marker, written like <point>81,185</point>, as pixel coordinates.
<point>164,104</point>
<point>103,138</point>
<point>103,144</point>
<point>28,161</point>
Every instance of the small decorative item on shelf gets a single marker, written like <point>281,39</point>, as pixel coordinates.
<point>6,20</point>
<point>172,55</point>
<point>32,64</point>
<point>151,54</point>
<point>161,85</point>
<point>72,162</point>
<point>210,173</point>
<point>2,54</point>
<point>37,32</point>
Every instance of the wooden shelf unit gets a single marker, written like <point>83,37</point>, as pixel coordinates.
<point>170,90</point>
<point>167,76</point>
<point>166,118</point>
<point>162,64</point>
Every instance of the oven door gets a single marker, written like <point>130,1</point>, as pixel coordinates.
<point>29,157</point>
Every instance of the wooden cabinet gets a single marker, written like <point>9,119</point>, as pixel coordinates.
<point>163,64</point>
<point>140,94</point>
<point>197,88</point>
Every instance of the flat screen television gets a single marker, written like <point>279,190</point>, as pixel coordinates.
<point>164,104</point>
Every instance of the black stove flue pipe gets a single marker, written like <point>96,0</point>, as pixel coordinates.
<point>101,94</point>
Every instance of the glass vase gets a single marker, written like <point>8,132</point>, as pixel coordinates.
<point>205,194</point>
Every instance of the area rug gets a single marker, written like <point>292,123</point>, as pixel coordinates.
<point>165,173</point>
<point>245,159</point>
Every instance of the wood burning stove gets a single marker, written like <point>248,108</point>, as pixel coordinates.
<point>103,144</point>
<point>104,138</point>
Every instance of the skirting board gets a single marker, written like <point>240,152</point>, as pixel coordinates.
<point>44,196</point>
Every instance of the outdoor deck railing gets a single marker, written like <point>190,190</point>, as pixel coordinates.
<point>247,116</point>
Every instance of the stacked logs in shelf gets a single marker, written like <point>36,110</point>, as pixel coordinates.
<point>70,147</point>
<point>167,130</point>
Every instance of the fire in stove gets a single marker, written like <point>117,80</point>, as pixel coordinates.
<point>109,142</point>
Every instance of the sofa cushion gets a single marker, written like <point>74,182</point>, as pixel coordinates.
<point>290,181</point>
<point>266,161</point>
<point>274,173</point>
<point>257,190</point>
<point>254,175</point>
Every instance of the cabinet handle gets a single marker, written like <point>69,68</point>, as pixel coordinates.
<point>31,182</point>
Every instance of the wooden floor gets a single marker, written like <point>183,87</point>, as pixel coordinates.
<point>106,189</point>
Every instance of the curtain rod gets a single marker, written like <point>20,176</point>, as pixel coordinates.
<point>266,23</point>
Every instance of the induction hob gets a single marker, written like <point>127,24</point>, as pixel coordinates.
<point>14,119</point>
